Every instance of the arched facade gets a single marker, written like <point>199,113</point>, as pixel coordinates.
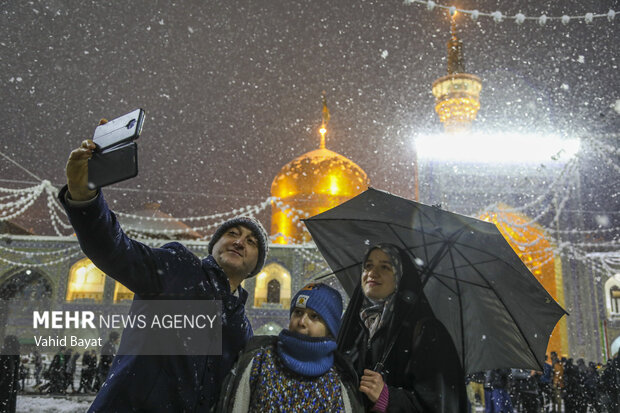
<point>21,293</point>
<point>86,281</point>
<point>531,245</point>
<point>273,287</point>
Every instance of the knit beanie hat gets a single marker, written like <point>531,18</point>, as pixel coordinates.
<point>323,299</point>
<point>257,229</point>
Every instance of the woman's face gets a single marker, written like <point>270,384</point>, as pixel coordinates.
<point>378,278</point>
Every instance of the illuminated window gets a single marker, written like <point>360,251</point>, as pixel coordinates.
<point>273,287</point>
<point>612,296</point>
<point>273,291</point>
<point>122,293</point>
<point>615,346</point>
<point>85,281</point>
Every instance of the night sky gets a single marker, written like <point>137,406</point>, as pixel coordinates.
<point>232,89</point>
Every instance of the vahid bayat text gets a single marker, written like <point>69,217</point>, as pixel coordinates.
<point>87,319</point>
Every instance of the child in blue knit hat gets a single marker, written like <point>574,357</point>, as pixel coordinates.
<point>300,369</point>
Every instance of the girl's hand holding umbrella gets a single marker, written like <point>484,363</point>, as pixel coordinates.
<point>371,385</point>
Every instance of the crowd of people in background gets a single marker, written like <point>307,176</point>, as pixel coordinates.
<point>60,375</point>
<point>56,378</point>
<point>563,386</point>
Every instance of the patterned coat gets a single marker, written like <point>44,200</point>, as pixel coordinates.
<point>260,382</point>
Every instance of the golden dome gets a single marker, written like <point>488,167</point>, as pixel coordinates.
<point>310,184</point>
<point>313,182</point>
<point>530,243</point>
<point>321,172</point>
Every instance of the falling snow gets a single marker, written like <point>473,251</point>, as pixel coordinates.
<point>232,93</point>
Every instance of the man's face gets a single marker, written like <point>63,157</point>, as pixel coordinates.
<point>236,251</point>
<point>307,321</point>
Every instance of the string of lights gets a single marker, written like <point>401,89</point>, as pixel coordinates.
<point>24,264</point>
<point>522,235</point>
<point>22,190</point>
<point>218,215</point>
<point>29,254</point>
<point>610,261</point>
<point>5,197</point>
<point>577,254</point>
<point>15,202</point>
<point>250,210</point>
<point>23,204</point>
<point>559,208</point>
<point>584,231</point>
<point>561,185</point>
<point>603,152</point>
<point>306,246</point>
<point>561,181</point>
<point>519,18</point>
<point>499,209</point>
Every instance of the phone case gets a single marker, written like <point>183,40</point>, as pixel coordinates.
<point>120,130</point>
<point>114,165</point>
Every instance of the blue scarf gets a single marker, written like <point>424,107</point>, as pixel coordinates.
<point>308,356</point>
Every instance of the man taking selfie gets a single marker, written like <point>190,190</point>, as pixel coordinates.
<point>237,250</point>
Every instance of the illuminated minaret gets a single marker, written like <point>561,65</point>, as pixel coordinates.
<point>457,95</point>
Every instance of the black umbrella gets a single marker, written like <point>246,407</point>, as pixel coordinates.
<point>496,311</point>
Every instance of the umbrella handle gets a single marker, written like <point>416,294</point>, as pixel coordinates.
<point>379,368</point>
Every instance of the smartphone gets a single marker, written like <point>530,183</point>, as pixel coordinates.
<point>114,165</point>
<point>121,130</point>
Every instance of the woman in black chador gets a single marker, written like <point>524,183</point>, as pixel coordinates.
<point>403,354</point>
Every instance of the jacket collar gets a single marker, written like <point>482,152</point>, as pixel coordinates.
<point>220,279</point>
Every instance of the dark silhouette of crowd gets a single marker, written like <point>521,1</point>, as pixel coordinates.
<point>60,375</point>
<point>9,374</point>
<point>563,386</point>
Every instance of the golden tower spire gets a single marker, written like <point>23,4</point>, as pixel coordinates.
<point>456,62</point>
<point>457,95</point>
<point>325,120</point>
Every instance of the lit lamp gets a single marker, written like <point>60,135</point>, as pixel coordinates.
<point>457,95</point>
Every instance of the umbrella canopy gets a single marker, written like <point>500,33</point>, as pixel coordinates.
<point>496,311</point>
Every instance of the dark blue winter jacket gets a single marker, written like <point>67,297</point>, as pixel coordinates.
<point>160,383</point>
